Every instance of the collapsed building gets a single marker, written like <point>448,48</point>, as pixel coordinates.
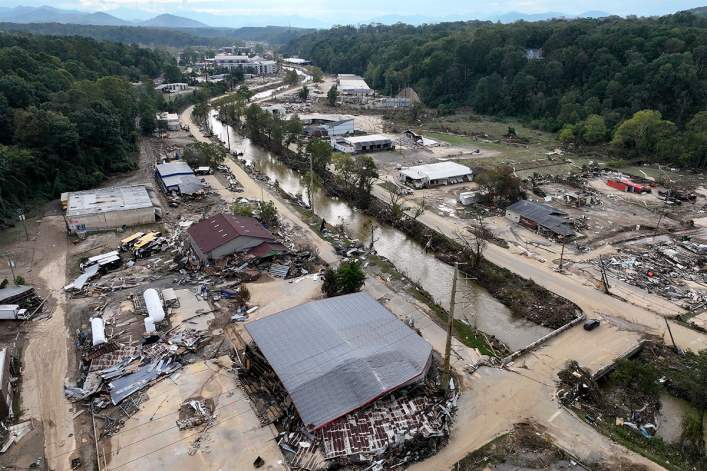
<point>356,376</point>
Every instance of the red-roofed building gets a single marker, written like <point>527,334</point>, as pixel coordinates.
<point>223,234</point>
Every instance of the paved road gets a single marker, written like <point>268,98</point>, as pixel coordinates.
<point>593,301</point>
<point>256,190</point>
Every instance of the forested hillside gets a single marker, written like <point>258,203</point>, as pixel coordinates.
<point>172,37</point>
<point>67,114</point>
<point>592,76</point>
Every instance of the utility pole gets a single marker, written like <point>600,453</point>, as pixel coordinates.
<point>677,349</point>
<point>665,202</point>
<point>10,262</point>
<point>562,253</point>
<point>21,215</point>
<point>604,280</point>
<point>450,326</point>
<point>311,185</point>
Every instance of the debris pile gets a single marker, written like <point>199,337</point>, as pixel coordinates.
<point>663,269</point>
<point>195,413</point>
<point>233,184</point>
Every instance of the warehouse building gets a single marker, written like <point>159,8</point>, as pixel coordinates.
<point>224,234</point>
<point>177,176</point>
<point>336,355</point>
<point>361,144</point>
<point>108,209</point>
<point>442,173</point>
<point>350,84</point>
<point>172,120</point>
<point>541,218</point>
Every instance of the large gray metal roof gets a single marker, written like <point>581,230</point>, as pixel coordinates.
<point>338,354</point>
<point>103,200</point>
<point>547,216</point>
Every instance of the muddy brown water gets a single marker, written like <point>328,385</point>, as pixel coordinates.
<point>474,303</point>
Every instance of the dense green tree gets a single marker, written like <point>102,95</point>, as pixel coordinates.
<point>642,133</point>
<point>638,381</point>
<point>332,95</point>
<point>351,277</point>
<point>172,74</point>
<point>268,213</point>
<point>204,154</point>
<point>303,93</point>
<point>321,155</point>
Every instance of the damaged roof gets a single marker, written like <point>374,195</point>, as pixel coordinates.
<point>547,216</point>
<point>338,354</point>
<point>267,248</point>
<point>222,228</point>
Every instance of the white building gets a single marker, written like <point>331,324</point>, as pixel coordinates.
<point>350,84</point>
<point>172,120</point>
<point>442,173</point>
<point>360,144</point>
<point>260,65</point>
<point>108,208</point>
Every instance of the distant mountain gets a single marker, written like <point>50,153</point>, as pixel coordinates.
<point>699,11</point>
<point>47,14</point>
<point>171,21</point>
<point>510,17</point>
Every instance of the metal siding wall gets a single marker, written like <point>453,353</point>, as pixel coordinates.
<point>239,244</point>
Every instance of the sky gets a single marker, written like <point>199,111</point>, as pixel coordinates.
<point>362,10</point>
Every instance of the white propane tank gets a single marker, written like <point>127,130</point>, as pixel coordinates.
<point>153,303</point>
<point>150,326</point>
<point>99,333</point>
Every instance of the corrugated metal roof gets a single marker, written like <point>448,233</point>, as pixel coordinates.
<point>173,168</point>
<point>222,228</point>
<point>104,200</point>
<point>436,171</point>
<point>367,140</point>
<point>338,354</point>
<point>547,216</point>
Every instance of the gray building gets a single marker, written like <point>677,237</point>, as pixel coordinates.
<point>178,176</point>
<point>224,234</point>
<point>339,128</point>
<point>108,208</point>
<point>539,217</point>
<point>336,355</point>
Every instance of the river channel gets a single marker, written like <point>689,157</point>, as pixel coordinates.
<point>474,303</point>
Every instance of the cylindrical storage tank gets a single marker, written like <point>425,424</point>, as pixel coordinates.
<point>99,333</point>
<point>150,326</point>
<point>153,304</point>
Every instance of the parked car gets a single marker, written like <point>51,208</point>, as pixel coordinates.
<point>591,324</point>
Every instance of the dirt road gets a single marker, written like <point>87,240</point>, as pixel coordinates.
<point>45,359</point>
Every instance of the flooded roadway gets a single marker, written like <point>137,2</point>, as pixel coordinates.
<point>474,303</point>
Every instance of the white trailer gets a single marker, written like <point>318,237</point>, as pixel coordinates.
<point>13,312</point>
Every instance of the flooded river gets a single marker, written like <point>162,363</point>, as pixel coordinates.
<point>407,255</point>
